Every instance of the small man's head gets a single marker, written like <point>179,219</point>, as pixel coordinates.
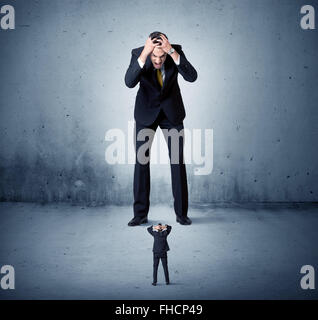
<point>158,56</point>
<point>158,227</point>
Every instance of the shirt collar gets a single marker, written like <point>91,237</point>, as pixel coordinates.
<point>162,68</point>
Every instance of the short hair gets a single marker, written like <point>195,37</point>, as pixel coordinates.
<point>159,224</point>
<point>156,34</point>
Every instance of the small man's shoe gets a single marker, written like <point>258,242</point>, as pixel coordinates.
<point>184,220</point>
<point>136,221</point>
<point>154,283</point>
<point>167,282</point>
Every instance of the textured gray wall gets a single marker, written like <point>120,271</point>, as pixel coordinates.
<point>62,88</point>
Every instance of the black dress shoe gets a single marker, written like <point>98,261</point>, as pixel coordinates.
<point>184,220</point>
<point>136,221</point>
<point>167,282</point>
<point>154,283</point>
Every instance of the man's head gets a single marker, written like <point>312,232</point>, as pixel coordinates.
<point>156,34</point>
<point>158,56</point>
<point>160,227</point>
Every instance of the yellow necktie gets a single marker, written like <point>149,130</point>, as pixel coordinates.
<point>159,77</point>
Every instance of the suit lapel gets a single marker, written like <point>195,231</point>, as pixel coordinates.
<point>152,73</point>
<point>168,73</point>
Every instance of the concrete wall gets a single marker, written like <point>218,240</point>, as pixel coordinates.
<point>62,88</point>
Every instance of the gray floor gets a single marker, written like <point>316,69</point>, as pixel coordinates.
<point>229,252</point>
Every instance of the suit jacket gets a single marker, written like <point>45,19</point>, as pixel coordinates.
<point>160,244</point>
<point>150,96</point>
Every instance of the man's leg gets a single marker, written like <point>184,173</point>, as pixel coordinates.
<point>178,169</point>
<point>155,267</point>
<point>142,170</point>
<point>164,261</point>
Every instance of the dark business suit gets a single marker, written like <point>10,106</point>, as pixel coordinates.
<point>159,106</point>
<point>160,248</point>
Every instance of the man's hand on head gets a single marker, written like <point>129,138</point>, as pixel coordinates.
<point>150,45</point>
<point>165,44</point>
<point>148,48</point>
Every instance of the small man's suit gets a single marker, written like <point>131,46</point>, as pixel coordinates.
<point>160,248</point>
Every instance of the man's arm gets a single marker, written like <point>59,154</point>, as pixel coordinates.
<point>135,68</point>
<point>176,57</point>
<point>133,72</point>
<point>150,230</point>
<point>185,68</point>
<point>168,229</point>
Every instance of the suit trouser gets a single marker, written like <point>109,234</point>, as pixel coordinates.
<point>164,261</point>
<point>142,169</point>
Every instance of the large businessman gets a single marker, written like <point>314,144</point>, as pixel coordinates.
<point>156,67</point>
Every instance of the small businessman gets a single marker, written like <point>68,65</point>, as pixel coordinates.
<point>160,247</point>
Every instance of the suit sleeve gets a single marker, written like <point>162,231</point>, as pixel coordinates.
<point>149,229</point>
<point>185,68</point>
<point>168,229</point>
<point>133,72</point>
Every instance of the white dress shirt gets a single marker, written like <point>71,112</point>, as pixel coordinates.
<point>141,64</point>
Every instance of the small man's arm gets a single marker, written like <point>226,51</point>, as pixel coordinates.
<point>149,229</point>
<point>168,229</point>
